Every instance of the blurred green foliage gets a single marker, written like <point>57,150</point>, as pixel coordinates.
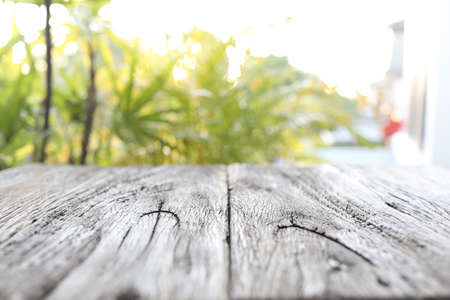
<point>180,107</point>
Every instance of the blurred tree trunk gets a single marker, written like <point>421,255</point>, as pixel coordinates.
<point>90,104</point>
<point>47,103</point>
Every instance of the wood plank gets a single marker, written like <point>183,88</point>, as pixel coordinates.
<point>167,232</point>
<point>337,231</point>
<point>113,233</point>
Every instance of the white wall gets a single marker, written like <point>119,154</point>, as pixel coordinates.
<point>437,122</point>
<point>427,51</point>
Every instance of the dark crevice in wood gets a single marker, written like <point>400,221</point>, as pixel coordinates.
<point>158,211</point>
<point>164,212</point>
<point>383,282</point>
<point>11,235</point>
<point>125,237</point>
<point>154,228</point>
<point>158,216</point>
<point>391,205</point>
<point>397,197</point>
<point>409,282</point>
<point>129,294</point>
<point>228,236</point>
<point>323,234</point>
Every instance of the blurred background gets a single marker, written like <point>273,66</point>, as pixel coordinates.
<point>206,81</point>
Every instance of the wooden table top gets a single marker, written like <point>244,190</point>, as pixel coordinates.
<point>221,232</point>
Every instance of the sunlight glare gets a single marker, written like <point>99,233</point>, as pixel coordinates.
<point>38,50</point>
<point>347,43</point>
<point>179,73</point>
<point>235,60</point>
<point>196,48</point>
<point>25,69</point>
<point>19,53</point>
<point>30,19</point>
<point>71,48</point>
<point>60,35</point>
<point>6,22</point>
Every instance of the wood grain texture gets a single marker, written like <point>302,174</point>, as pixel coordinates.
<point>220,232</point>
<point>336,231</point>
<point>113,233</point>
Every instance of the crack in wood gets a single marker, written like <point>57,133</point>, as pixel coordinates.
<point>383,282</point>
<point>397,197</point>
<point>228,235</point>
<point>159,211</point>
<point>323,234</point>
<point>154,228</point>
<point>129,294</point>
<point>124,237</point>
<point>391,205</point>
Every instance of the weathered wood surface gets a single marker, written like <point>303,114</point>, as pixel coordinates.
<point>221,232</point>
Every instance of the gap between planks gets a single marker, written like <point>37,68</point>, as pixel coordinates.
<point>228,237</point>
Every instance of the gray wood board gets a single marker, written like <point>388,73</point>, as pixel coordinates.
<point>219,232</point>
<point>339,231</point>
<point>113,233</point>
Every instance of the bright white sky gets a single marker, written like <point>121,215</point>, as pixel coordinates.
<point>345,42</point>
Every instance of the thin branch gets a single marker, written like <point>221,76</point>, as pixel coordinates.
<point>90,105</point>
<point>47,103</point>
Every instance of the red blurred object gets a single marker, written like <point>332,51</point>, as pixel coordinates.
<point>391,127</point>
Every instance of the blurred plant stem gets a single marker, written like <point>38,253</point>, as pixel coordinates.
<point>91,103</point>
<point>47,103</point>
